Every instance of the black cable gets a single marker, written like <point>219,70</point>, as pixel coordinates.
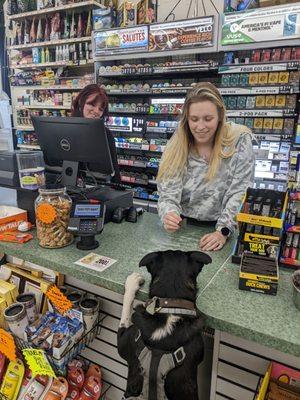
<point>171,12</point>
<point>214,6</point>
<point>203,7</point>
<point>190,5</point>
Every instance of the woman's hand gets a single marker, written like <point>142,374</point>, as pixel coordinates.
<point>212,241</point>
<point>171,222</point>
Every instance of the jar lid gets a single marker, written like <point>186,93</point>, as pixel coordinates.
<point>52,189</point>
<point>52,186</point>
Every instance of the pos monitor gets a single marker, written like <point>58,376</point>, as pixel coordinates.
<point>72,140</point>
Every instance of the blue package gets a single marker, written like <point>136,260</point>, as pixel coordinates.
<point>289,26</point>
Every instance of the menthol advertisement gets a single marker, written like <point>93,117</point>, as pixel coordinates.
<point>261,25</point>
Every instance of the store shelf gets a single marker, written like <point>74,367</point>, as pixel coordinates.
<point>54,64</point>
<point>260,67</point>
<point>283,89</point>
<point>140,113</point>
<point>45,11</point>
<point>156,91</point>
<point>50,43</point>
<point>29,146</point>
<point>260,113</point>
<point>137,164</point>
<point>155,54</point>
<point>185,69</point>
<point>45,87</point>
<point>24,128</point>
<point>31,107</point>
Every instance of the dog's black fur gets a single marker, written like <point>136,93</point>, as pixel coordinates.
<point>173,275</point>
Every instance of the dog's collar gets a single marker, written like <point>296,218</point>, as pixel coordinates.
<point>170,306</point>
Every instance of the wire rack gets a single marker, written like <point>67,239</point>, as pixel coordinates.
<point>59,364</point>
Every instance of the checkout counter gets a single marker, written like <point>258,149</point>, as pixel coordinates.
<point>250,329</point>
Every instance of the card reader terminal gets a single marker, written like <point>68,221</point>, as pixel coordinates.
<point>86,221</point>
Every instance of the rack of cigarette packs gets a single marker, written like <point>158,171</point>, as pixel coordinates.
<point>261,220</point>
<point>290,249</point>
<point>35,322</point>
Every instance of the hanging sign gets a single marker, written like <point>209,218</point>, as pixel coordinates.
<point>198,32</point>
<point>123,40</point>
<point>38,362</point>
<point>7,345</point>
<point>261,25</point>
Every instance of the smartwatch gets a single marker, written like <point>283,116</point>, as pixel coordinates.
<point>225,231</point>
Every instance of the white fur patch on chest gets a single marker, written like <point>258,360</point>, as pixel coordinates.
<point>165,330</point>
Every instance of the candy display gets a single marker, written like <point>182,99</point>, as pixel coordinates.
<point>52,209</point>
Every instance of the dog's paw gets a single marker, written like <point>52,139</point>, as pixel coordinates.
<point>134,282</point>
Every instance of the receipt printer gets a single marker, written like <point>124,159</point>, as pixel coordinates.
<point>9,175</point>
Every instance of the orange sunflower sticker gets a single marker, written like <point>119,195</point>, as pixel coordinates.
<point>46,213</point>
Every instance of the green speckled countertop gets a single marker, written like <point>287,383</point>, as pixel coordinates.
<point>270,320</point>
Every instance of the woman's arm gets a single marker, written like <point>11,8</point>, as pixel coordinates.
<point>242,176</point>
<point>169,197</point>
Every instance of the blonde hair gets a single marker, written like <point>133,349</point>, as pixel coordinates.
<point>175,156</point>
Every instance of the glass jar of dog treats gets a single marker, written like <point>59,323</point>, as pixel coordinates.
<point>52,211</point>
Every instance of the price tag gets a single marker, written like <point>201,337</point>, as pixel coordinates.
<point>7,345</point>
<point>58,299</point>
<point>38,362</point>
<point>46,213</point>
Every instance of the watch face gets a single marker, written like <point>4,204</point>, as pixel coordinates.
<point>225,231</point>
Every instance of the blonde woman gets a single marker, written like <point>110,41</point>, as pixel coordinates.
<point>206,167</point>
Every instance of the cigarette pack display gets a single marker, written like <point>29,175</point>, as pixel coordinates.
<point>283,77</point>
<point>260,101</point>
<point>244,79</point>
<point>253,78</point>
<point>273,78</point>
<point>263,78</point>
<point>270,101</point>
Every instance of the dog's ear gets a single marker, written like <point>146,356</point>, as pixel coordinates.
<point>150,261</point>
<point>198,260</point>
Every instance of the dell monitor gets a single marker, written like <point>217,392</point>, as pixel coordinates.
<point>71,141</point>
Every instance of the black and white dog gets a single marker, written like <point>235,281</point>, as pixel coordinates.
<point>161,340</point>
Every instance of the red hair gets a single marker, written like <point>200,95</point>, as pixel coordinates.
<point>80,100</point>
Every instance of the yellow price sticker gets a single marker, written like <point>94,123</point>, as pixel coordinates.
<point>7,345</point>
<point>58,299</point>
<point>38,362</point>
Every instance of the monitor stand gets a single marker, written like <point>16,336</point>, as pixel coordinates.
<point>69,173</point>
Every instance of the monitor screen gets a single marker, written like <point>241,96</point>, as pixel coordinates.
<point>87,210</point>
<point>71,141</point>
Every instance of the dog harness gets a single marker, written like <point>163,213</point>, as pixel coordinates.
<point>155,365</point>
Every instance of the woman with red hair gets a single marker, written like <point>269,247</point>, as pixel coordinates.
<point>92,102</point>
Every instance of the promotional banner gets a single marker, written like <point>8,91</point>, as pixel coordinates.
<point>261,25</point>
<point>189,33</point>
<point>121,40</point>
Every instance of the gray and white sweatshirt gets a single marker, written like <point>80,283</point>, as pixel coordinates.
<point>217,200</point>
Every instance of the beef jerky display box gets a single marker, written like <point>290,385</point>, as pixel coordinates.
<point>260,219</point>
